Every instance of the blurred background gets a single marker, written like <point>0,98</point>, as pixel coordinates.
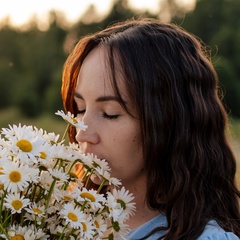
<point>37,36</point>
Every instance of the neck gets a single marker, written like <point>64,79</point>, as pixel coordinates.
<point>143,212</point>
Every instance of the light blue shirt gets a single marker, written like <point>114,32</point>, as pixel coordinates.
<point>212,231</point>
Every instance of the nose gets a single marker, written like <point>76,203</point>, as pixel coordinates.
<point>87,136</point>
<point>90,135</point>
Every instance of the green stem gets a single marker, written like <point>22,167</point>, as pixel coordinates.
<point>1,205</point>
<point>62,233</point>
<point>7,217</point>
<point>48,199</point>
<point>66,131</point>
<point>50,192</point>
<point>3,231</point>
<point>101,186</point>
<point>84,204</point>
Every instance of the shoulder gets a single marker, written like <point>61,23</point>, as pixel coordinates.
<point>148,227</point>
<point>213,231</point>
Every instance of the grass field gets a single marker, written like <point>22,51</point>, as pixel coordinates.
<point>50,123</point>
<point>234,138</point>
<point>53,123</point>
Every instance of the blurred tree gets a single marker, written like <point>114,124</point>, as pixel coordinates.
<point>31,63</point>
<point>217,22</point>
<point>9,64</point>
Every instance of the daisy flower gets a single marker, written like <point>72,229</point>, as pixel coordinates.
<point>120,230</point>
<point>30,232</point>
<point>95,199</point>
<point>69,118</point>
<point>58,174</point>
<point>35,212</point>
<point>36,166</point>
<point>56,229</point>
<point>36,209</point>
<point>74,146</point>
<point>101,163</point>
<point>15,203</point>
<point>34,174</point>
<point>45,180</point>
<point>12,131</point>
<point>87,161</point>
<point>73,216</point>
<point>25,143</point>
<point>54,224</point>
<point>4,149</point>
<point>87,228</point>
<point>101,173</point>
<point>114,181</point>
<point>125,199</point>
<point>100,225</point>
<point>62,152</point>
<point>51,138</point>
<point>46,155</point>
<point>114,208</point>
<point>15,176</point>
<point>3,155</point>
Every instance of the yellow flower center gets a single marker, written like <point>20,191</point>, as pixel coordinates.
<point>24,145</point>
<point>96,224</point>
<point>88,196</point>
<point>84,226</point>
<point>43,155</point>
<point>1,168</point>
<point>66,198</point>
<point>73,217</point>
<point>74,120</point>
<point>17,204</point>
<point>1,186</point>
<point>17,237</point>
<point>15,176</point>
<point>37,210</point>
<point>73,175</point>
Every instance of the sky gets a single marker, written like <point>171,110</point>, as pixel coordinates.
<point>20,11</point>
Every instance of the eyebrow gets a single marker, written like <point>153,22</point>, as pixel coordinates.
<point>100,99</point>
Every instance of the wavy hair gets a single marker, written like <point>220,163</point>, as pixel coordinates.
<point>174,87</point>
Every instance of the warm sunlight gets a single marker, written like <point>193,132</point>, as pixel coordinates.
<point>19,12</point>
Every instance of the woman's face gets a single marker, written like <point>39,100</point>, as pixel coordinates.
<point>112,134</point>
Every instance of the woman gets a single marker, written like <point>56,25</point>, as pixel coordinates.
<point>149,96</point>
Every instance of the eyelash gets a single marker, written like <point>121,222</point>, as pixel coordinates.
<point>104,115</point>
<point>110,116</point>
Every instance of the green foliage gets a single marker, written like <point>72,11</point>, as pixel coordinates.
<point>217,23</point>
<point>230,85</point>
<point>31,64</point>
<point>49,122</point>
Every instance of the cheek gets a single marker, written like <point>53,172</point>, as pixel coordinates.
<point>135,139</point>
<point>127,137</point>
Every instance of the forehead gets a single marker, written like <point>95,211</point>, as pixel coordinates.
<point>96,72</point>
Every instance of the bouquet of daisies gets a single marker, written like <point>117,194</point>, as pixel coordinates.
<point>42,197</point>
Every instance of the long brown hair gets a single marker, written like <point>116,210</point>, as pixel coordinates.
<point>174,87</point>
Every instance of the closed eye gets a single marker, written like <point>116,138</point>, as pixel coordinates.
<point>80,112</point>
<point>104,115</point>
<point>107,116</point>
